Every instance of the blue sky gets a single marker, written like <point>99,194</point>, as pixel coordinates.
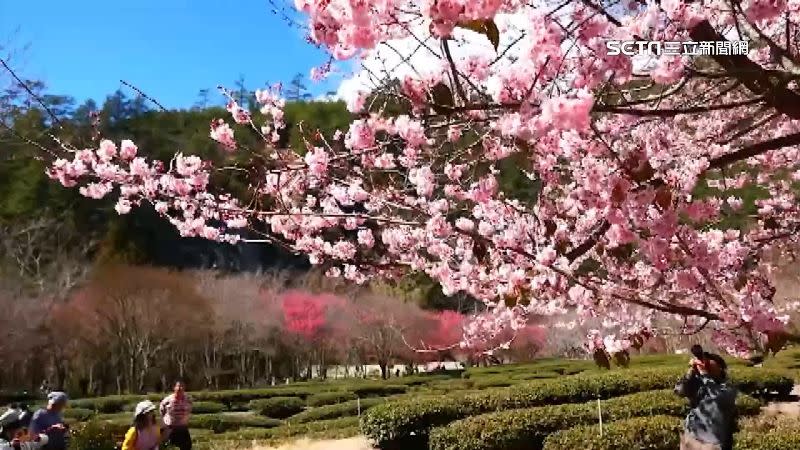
<point>170,49</point>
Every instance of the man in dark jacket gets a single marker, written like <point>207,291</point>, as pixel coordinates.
<point>712,419</point>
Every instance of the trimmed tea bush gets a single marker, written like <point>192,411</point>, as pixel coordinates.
<point>651,433</point>
<point>106,405</point>
<point>527,428</point>
<point>284,431</point>
<point>95,435</point>
<point>79,414</point>
<point>207,407</point>
<point>784,423</point>
<point>378,390</point>
<point>413,418</point>
<point>779,440</point>
<point>277,407</point>
<point>113,403</point>
<point>762,382</point>
<point>245,395</point>
<point>345,409</point>
<point>422,379</point>
<point>657,433</point>
<point>329,398</point>
<point>220,423</point>
<point>115,419</point>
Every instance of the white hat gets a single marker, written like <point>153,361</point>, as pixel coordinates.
<point>11,416</point>
<point>144,407</point>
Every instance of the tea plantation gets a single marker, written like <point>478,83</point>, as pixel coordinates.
<point>550,404</point>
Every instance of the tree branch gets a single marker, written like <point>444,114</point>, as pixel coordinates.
<point>755,150</point>
<point>751,74</point>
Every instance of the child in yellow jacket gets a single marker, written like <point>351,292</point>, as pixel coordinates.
<point>145,434</point>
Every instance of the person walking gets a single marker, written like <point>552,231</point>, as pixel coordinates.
<point>711,421</point>
<point>50,422</point>
<point>176,409</point>
<point>12,431</point>
<point>145,434</point>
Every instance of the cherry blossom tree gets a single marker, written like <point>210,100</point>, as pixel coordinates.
<point>443,330</point>
<point>647,188</point>
<point>528,343</point>
<point>312,318</point>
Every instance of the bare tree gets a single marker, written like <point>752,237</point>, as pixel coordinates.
<point>47,252</point>
<point>140,312</point>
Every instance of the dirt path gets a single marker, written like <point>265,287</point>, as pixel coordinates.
<point>357,443</point>
<point>788,408</point>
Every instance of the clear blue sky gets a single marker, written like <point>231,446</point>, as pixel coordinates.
<point>170,49</point>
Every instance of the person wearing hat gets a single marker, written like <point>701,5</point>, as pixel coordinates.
<point>12,425</point>
<point>50,422</point>
<point>145,434</point>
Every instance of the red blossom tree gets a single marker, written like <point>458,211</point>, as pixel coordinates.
<point>313,319</point>
<point>437,335</point>
<point>648,191</point>
<point>527,344</point>
<point>305,314</point>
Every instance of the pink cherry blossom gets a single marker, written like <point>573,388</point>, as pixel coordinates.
<point>222,133</point>
<point>107,150</point>
<point>127,150</point>
<point>530,165</point>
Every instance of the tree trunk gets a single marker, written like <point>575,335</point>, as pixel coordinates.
<point>90,392</point>
<point>384,369</point>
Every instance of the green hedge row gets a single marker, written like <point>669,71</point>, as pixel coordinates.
<point>229,397</point>
<point>113,403</point>
<point>652,433</point>
<point>277,407</point>
<point>79,414</point>
<point>396,422</point>
<point>425,379</point>
<point>207,407</point>
<point>378,390</point>
<point>329,398</point>
<point>413,418</point>
<point>220,423</point>
<point>557,365</point>
<point>197,407</point>
<point>216,401</point>
<point>657,433</point>
<point>285,431</point>
<point>217,423</point>
<point>766,441</point>
<point>764,423</point>
<point>528,428</point>
<point>97,435</point>
<point>345,409</point>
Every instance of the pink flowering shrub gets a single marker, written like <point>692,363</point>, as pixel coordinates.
<point>615,152</point>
